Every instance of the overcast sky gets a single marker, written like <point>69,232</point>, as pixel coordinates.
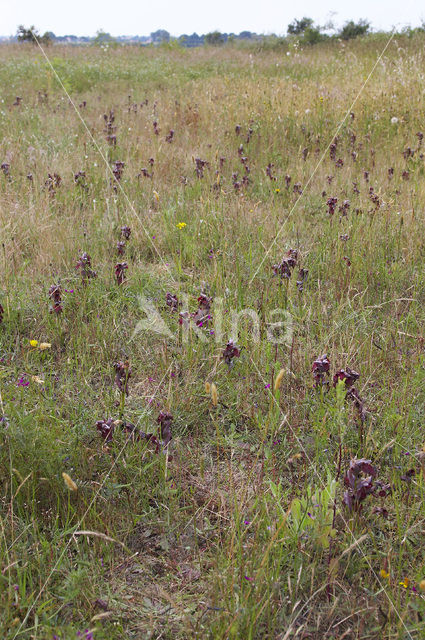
<point>141,17</point>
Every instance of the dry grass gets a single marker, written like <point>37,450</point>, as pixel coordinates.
<point>203,540</point>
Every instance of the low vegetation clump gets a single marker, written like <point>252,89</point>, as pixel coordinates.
<point>212,355</point>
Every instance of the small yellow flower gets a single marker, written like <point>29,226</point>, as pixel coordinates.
<point>69,482</point>
<point>181,225</point>
<point>277,190</point>
<point>384,574</point>
<point>321,98</point>
<point>44,345</point>
<point>156,194</point>
<point>34,343</point>
<point>405,583</point>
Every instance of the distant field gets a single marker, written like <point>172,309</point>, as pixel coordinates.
<point>157,480</point>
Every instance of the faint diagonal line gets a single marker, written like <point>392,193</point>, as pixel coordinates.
<point>313,467</point>
<point>99,150</point>
<point>370,309</point>
<point>93,500</point>
<point>323,155</point>
<point>159,385</point>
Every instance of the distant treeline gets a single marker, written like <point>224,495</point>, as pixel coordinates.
<point>303,30</point>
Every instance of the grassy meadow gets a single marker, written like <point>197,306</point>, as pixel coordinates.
<point>154,482</point>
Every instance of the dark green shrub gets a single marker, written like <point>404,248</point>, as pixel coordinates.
<point>353,29</point>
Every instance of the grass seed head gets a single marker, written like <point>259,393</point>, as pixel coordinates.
<point>69,482</point>
<point>278,381</point>
<point>214,395</point>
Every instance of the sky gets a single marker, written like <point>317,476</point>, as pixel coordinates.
<point>141,17</point>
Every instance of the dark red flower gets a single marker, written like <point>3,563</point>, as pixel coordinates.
<point>145,173</point>
<point>5,167</point>
<point>200,166</point>
<point>55,294</point>
<point>344,207</point>
<point>120,269</point>
<point>52,183</point>
<point>122,375</point>
<point>348,375</point>
<point>109,128</point>
<point>321,370</point>
<point>172,301</point>
<point>269,171</point>
<point>302,277</point>
<point>231,351</point>
<point>106,428</point>
<point>165,421</point>
<point>80,179</point>
<point>284,268</point>
<point>84,264</point>
<point>331,202</point>
<point>359,480</point>
<point>202,315</point>
<point>117,170</point>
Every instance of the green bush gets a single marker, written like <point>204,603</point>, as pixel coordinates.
<point>353,29</point>
<point>32,35</point>
<point>312,35</point>
<point>215,38</point>
<point>297,27</point>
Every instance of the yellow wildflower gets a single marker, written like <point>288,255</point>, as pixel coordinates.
<point>181,225</point>
<point>405,583</point>
<point>34,343</point>
<point>384,574</point>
